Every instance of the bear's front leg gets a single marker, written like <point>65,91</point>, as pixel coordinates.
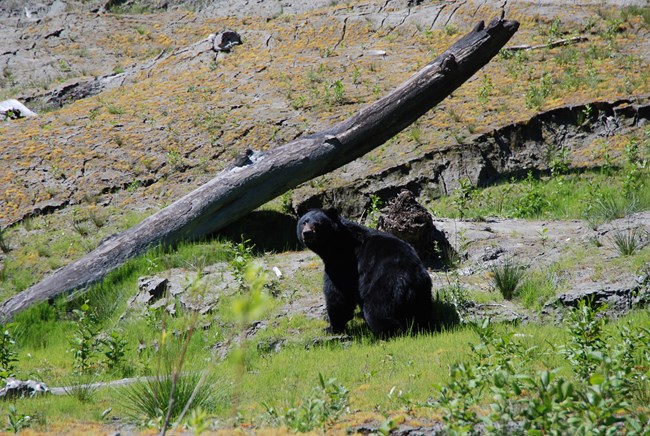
<point>340,306</point>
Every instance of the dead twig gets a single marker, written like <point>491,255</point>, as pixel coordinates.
<point>558,43</point>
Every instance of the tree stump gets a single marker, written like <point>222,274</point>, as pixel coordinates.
<point>410,221</point>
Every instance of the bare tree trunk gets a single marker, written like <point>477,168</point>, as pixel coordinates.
<point>237,191</point>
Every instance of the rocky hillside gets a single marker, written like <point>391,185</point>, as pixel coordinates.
<point>135,107</point>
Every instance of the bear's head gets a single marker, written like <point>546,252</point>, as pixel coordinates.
<point>317,228</point>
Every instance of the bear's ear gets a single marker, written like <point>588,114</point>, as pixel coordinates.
<point>332,214</point>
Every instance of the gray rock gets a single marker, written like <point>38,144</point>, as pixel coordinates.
<point>15,388</point>
<point>617,300</point>
<point>13,109</point>
<point>150,289</point>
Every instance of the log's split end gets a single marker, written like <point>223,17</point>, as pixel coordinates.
<point>495,25</point>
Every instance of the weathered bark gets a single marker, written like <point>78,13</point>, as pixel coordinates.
<point>237,191</point>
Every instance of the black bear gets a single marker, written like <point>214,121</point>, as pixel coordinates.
<point>374,270</point>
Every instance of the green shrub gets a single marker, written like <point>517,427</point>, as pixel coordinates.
<point>538,93</point>
<point>607,394</point>
<point>115,349</point>
<point>8,355</point>
<point>16,422</point>
<point>4,243</point>
<point>533,202</point>
<point>325,404</point>
<point>84,341</point>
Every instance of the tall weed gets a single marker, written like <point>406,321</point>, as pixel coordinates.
<point>8,355</point>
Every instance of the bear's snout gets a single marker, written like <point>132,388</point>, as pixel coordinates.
<point>308,233</point>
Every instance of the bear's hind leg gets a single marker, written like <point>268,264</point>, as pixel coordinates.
<point>382,324</point>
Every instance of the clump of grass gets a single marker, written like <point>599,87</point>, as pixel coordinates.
<point>97,216</point>
<point>79,224</point>
<point>627,242</point>
<point>166,395</point>
<point>608,207</point>
<point>506,278</point>
<point>83,388</point>
<point>114,110</point>
<point>451,29</point>
<point>634,10</point>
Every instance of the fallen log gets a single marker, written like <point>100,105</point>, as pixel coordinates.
<point>262,177</point>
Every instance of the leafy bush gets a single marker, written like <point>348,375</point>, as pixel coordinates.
<point>534,202</point>
<point>115,348</point>
<point>4,243</point>
<point>242,254</point>
<point>16,421</point>
<point>607,393</point>
<point>84,341</point>
<point>325,404</point>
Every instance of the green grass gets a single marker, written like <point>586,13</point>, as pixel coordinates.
<point>593,196</point>
<point>627,242</point>
<point>537,289</point>
<point>379,375</point>
<point>630,11</point>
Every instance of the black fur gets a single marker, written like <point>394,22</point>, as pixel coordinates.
<point>374,270</point>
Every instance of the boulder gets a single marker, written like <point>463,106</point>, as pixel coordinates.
<point>13,109</point>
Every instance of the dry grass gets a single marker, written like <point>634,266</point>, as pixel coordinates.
<point>187,117</point>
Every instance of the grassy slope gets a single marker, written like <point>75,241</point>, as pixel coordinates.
<point>176,99</point>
